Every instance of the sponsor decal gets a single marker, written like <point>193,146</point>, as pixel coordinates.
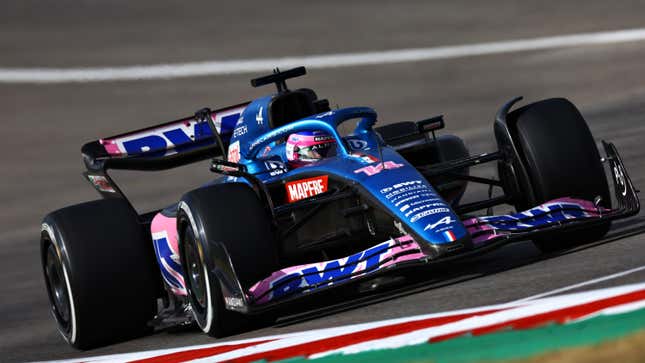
<point>358,144</point>
<point>323,138</point>
<point>413,197</point>
<point>240,130</point>
<point>375,169</point>
<point>336,271</point>
<point>557,211</point>
<point>438,230</point>
<point>288,149</point>
<point>430,204</point>
<point>620,179</point>
<point>265,137</point>
<point>328,113</point>
<point>407,199</point>
<point>234,152</point>
<point>275,167</point>
<point>428,212</point>
<point>405,191</point>
<point>422,207</point>
<point>176,137</point>
<point>399,185</point>
<point>233,301</point>
<point>305,188</point>
<point>364,158</point>
<point>423,201</point>
<point>320,146</point>
<point>538,216</point>
<point>258,118</point>
<point>101,183</point>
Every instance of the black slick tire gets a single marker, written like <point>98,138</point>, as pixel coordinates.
<point>214,221</point>
<point>100,273</point>
<point>561,160</point>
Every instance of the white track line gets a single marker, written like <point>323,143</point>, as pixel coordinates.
<point>581,284</point>
<point>193,69</point>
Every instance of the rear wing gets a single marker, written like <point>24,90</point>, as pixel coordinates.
<point>202,136</point>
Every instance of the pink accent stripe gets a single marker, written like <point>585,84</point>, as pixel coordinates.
<point>161,223</point>
<point>111,147</point>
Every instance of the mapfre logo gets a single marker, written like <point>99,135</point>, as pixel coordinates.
<point>305,188</point>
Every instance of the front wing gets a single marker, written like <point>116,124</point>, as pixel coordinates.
<point>487,233</point>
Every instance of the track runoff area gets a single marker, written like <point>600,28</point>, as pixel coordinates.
<point>531,326</point>
<point>519,329</point>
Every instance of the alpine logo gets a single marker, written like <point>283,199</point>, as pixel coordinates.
<point>259,118</point>
<point>444,220</point>
<point>305,188</point>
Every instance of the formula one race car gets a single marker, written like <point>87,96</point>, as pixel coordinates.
<point>298,209</point>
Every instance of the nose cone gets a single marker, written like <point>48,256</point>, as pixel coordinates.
<point>402,190</point>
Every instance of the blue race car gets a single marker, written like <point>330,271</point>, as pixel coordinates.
<point>300,208</point>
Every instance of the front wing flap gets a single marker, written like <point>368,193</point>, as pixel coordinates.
<point>559,214</point>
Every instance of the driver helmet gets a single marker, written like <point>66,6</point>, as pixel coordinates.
<point>308,146</point>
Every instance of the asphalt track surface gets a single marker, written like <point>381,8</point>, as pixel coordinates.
<point>43,126</point>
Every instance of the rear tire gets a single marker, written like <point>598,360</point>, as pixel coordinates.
<point>100,273</point>
<point>561,159</point>
<point>230,218</point>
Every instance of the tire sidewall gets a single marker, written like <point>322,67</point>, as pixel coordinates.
<point>111,277</point>
<point>186,220</point>
<point>199,210</point>
<point>49,236</point>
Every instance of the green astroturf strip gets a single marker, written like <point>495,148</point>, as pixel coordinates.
<point>503,345</point>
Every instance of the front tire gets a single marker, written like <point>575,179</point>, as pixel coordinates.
<point>561,159</point>
<point>99,272</point>
<point>217,223</point>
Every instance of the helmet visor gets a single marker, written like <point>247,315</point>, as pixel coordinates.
<point>314,152</point>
